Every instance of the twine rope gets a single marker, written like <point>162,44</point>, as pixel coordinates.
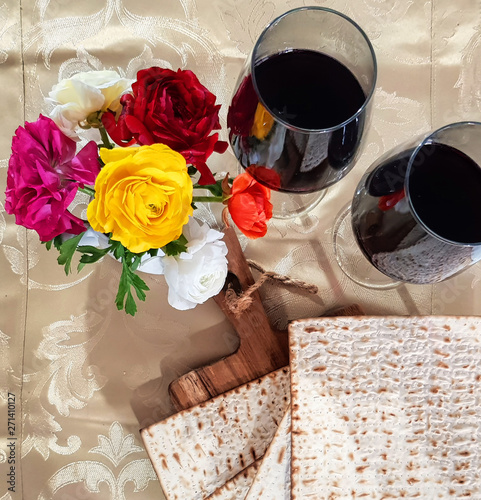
<point>237,304</point>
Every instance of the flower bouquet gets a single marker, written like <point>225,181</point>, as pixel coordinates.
<point>154,136</point>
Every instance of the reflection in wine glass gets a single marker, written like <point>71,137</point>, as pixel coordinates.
<point>416,213</point>
<point>302,104</point>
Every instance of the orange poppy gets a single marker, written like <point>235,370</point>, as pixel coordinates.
<point>249,206</point>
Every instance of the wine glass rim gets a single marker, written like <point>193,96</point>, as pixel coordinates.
<point>368,96</point>
<point>429,140</point>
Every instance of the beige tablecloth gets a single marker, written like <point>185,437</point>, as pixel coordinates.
<point>82,378</point>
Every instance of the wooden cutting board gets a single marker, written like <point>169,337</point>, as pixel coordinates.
<point>262,349</point>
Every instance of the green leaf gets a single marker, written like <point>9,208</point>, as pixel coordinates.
<point>136,262</point>
<point>117,249</point>
<point>129,280</point>
<point>139,286</point>
<point>67,250</point>
<point>130,305</point>
<point>90,255</point>
<point>191,170</point>
<point>56,242</point>
<point>215,189</point>
<point>176,247</point>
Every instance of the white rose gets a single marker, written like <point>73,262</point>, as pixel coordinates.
<point>77,97</point>
<point>198,274</point>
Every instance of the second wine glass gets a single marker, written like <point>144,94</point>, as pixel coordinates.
<point>416,213</point>
<point>302,104</point>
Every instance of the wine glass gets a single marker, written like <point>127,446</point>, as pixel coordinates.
<point>302,104</point>
<point>416,213</point>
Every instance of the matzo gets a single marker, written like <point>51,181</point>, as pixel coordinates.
<point>386,407</point>
<point>237,487</point>
<point>273,480</point>
<point>198,450</point>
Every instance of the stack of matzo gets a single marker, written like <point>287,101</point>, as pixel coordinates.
<point>195,452</point>
<point>381,408</point>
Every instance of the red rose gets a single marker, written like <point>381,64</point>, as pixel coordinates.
<point>172,108</point>
<point>249,206</point>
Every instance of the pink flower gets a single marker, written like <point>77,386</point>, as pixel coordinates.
<point>44,174</point>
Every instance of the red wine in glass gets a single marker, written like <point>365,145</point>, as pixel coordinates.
<point>301,105</point>
<point>311,91</point>
<point>417,214</point>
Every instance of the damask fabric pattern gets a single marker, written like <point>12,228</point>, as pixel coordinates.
<point>78,377</point>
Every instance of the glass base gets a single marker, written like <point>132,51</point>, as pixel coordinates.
<point>289,205</point>
<point>350,258</point>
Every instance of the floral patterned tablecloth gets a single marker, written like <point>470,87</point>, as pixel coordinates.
<point>79,379</point>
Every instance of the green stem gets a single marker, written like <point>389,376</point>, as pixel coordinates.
<point>105,138</point>
<point>207,199</point>
<point>87,190</point>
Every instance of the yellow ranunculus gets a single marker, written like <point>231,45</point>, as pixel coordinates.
<point>143,196</point>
